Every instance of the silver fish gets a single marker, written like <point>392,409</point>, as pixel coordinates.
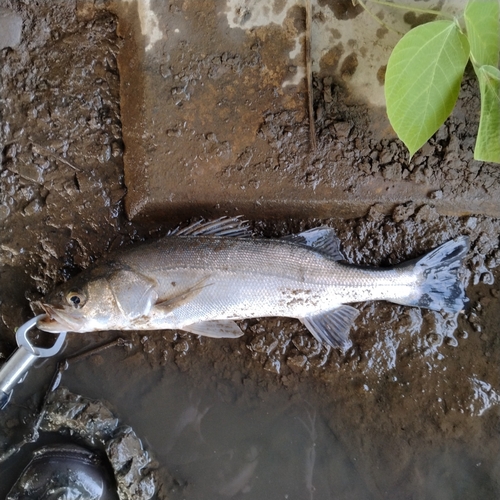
<point>202,278</point>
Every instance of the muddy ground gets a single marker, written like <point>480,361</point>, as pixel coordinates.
<point>410,411</point>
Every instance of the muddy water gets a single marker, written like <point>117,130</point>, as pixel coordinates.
<point>225,423</point>
<point>412,410</point>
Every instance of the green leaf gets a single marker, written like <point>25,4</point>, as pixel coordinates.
<point>488,136</point>
<point>422,80</point>
<point>483,31</point>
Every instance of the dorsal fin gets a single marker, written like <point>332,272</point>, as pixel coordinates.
<point>320,238</point>
<point>224,226</point>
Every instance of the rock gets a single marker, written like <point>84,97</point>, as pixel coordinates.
<point>4,211</point>
<point>11,26</point>
<point>403,212</point>
<point>392,171</point>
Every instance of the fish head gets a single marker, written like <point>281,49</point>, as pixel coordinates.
<point>83,304</point>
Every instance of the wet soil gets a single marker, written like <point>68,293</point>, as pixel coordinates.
<point>233,133</point>
<point>410,411</point>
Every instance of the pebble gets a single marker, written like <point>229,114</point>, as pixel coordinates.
<point>403,212</point>
<point>436,195</point>
<point>33,207</point>
<point>298,361</point>
<point>11,26</point>
<point>4,212</point>
<point>392,171</point>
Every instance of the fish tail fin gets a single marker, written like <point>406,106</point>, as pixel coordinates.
<point>441,288</point>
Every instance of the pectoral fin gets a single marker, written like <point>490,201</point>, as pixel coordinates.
<point>183,297</point>
<point>332,327</point>
<point>216,329</point>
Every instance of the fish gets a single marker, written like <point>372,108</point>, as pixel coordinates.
<point>203,277</point>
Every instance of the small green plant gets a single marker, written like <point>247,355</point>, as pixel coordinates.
<point>426,67</point>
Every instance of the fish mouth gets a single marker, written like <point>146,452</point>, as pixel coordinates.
<point>58,320</point>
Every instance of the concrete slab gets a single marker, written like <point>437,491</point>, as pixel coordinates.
<point>214,108</point>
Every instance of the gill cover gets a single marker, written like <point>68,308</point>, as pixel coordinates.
<point>134,294</point>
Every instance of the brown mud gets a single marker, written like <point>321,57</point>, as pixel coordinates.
<point>410,411</point>
<point>212,102</point>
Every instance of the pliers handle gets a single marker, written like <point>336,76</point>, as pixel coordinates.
<point>16,367</point>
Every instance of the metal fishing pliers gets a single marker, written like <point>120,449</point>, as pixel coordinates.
<point>16,367</point>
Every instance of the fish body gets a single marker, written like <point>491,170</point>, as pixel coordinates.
<point>202,278</point>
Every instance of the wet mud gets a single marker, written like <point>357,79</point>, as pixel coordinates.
<point>411,410</point>
<point>233,127</point>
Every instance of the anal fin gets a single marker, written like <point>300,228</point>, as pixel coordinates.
<point>332,327</point>
<point>216,329</point>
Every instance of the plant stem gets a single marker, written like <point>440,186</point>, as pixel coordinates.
<point>371,14</point>
<point>412,9</point>
<point>312,128</point>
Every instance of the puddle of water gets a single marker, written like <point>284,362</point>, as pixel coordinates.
<point>219,440</point>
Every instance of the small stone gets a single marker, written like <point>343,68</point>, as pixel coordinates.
<point>297,362</point>
<point>386,156</point>
<point>4,211</point>
<point>436,195</point>
<point>31,172</point>
<point>307,345</point>
<point>376,212</point>
<point>11,26</point>
<point>475,321</point>
<point>342,129</point>
<point>273,366</point>
<point>116,149</point>
<point>10,152</point>
<point>165,71</point>
<point>403,212</point>
<point>258,328</point>
<point>33,208</point>
<point>174,133</point>
<point>392,172</point>
<point>426,213</point>
<point>182,346</point>
<point>472,222</point>
<point>263,345</point>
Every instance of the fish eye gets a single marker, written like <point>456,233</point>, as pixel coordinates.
<point>75,299</point>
